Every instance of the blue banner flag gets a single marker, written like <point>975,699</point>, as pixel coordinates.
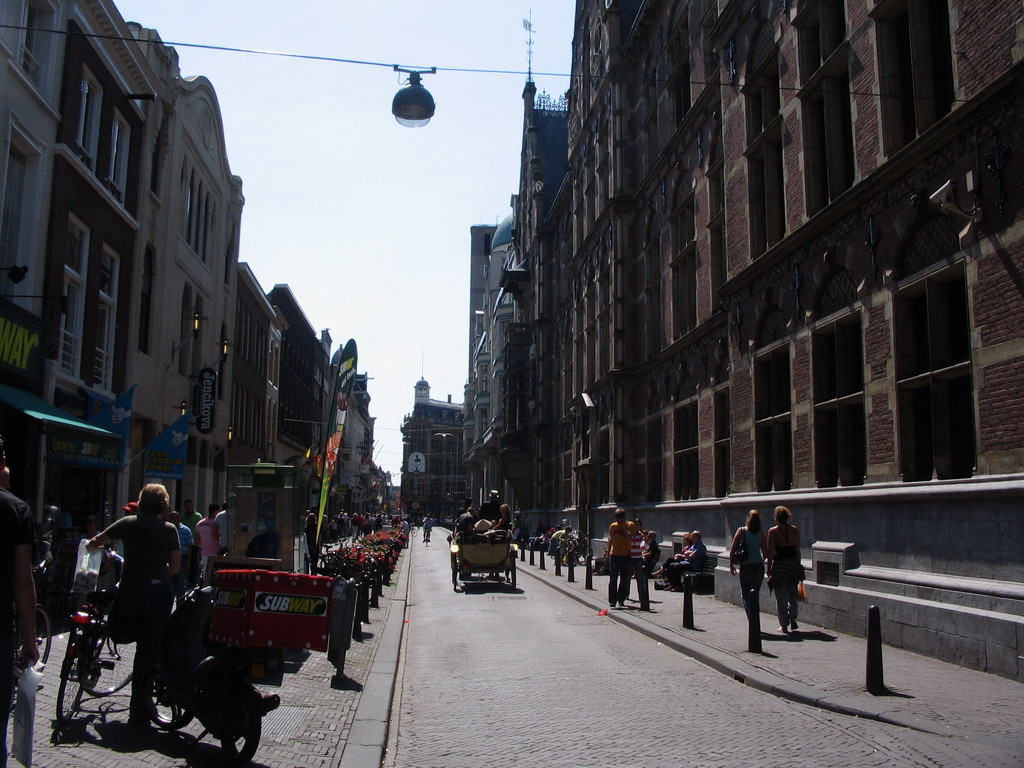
<point>116,417</point>
<point>167,455</point>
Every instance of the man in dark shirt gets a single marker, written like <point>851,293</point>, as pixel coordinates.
<point>17,537</point>
<point>491,509</point>
<point>466,521</point>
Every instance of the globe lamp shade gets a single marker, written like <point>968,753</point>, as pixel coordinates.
<point>413,106</point>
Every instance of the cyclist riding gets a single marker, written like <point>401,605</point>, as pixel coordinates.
<point>428,525</point>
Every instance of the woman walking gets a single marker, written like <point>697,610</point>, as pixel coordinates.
<point>152,555</point>
<point>785,571</point>
<point>752,537</point>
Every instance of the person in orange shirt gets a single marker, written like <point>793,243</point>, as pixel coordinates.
<point>620,564</point>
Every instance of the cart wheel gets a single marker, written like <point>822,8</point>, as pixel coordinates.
<point>455,574</point>
<point>512,572</point>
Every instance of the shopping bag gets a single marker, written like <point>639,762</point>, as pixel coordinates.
<point>87,570</point>
<point>25,715</point>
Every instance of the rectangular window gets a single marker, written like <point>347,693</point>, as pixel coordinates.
<point>716,229</point>
<point>117,173</point>
<point>773,430</point>
<point>828,141</point>
<point>75,259</point>
<point>933,371</point>
<point>679,84</point>
<point>87,136</point>
<point>31,43</point>
<point>915,63</point>
<point>829,167</point>
<point>840,449</point>
<point>106,322</point>
<point>687,475</point>
<point>684,293</point>
<point>14,200</point>
<point>767,193</point>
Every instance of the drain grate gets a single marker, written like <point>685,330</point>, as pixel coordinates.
<point>283,722</point>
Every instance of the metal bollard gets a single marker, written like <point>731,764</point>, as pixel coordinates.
<point>558,564</point>
<point>363,605</point>
<point>542,561</point>
<point>531,556</point>
<point>588,579</point>
<point>377,590</point>
<point>875,678</point>
<point>572,568</point>
<point>753,622</point>
<point>688,602</point>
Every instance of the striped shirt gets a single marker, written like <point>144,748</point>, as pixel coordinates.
<point>636,548</point>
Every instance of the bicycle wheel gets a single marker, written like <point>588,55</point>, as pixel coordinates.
<point>69,694</point>
<point>239,751</point>
<point>43,634</point>
<point>165,713</point>
<point>108,672</point>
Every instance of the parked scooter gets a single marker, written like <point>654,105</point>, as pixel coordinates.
<point>208,681</point>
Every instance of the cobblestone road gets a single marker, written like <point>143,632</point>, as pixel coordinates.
<point>495,677</point>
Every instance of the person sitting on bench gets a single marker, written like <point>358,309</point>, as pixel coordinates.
<point>690,560</point>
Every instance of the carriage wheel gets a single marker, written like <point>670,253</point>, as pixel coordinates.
<point>455,573</point>
<point>511,574</point>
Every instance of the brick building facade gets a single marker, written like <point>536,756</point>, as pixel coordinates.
<point>783,266</point>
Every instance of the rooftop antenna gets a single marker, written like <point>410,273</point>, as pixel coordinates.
<point>528,26</point>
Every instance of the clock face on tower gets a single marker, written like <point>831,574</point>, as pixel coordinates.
<point>417,462</point>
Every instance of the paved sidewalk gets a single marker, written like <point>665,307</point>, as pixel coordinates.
<point>318,725</point>
<point>816,665</point>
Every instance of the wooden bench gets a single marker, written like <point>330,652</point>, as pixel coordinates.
<point>704,582</point>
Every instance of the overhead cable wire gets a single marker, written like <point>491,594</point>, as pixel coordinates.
<point>464,70</point>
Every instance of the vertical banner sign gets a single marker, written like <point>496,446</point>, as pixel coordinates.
<point>344,364</point>
<point>206,400</point>
<point>167,454</point>
<point>116,417</point>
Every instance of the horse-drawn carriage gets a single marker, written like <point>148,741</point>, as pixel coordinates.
<point>491,554</point>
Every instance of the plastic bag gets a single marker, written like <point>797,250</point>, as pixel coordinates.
<point>87,572</point>
<point>25,715</point>
<point>801,590</point>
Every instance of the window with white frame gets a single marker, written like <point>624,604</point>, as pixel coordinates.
<point>88,133</point>
<point>117,172</point>
<point>106,320</point>
<point>75,261</point>
<point>36,42</point>
<point>13,195</point>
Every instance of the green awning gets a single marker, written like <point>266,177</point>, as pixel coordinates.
<point>40,410</point>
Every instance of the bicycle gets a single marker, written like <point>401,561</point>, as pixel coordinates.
<point>43,633</point>
<point>572,551</point>
<point>93,663</point>
<point>426,535</point>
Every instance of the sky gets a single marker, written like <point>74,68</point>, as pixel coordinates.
<point>367,221</point>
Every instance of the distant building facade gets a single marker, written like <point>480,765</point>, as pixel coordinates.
<point>433,474</point>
